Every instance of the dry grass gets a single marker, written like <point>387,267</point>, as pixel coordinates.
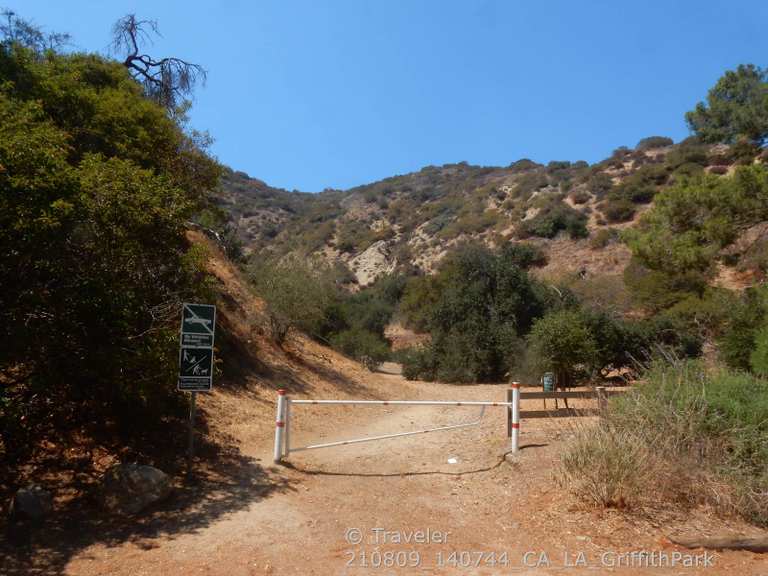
<point>687,438</point>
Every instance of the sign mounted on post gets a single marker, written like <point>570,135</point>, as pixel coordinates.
<point>198,323</point>
<point>198,326</point>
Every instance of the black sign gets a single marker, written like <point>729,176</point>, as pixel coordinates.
<point>198,325</point>
<point>195,368</point>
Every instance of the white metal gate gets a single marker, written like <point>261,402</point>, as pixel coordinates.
<point>283,422</point>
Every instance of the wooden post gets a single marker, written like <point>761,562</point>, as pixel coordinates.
<point>191,439</point>
<point>602,401</point>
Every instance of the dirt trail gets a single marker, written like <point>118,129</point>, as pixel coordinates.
<point>502,516</point>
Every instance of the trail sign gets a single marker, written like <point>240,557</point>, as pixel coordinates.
<point>198,327</point>
<point>195,369</point>
<point>198,324</point>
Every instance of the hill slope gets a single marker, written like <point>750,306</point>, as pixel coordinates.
<point>412,220</point>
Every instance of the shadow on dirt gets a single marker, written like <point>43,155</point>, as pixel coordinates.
<point>231,483</point>
<point>527,446</point>
<point>319,472</point>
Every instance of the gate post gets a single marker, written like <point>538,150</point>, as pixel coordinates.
<point>515,423</point>
<point>280,425</point>
<point>602,401</point>
<point>287,433</point>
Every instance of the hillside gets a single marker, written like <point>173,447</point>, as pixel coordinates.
<point>573,209</point>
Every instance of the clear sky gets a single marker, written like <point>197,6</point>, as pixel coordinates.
<point>333,93</point>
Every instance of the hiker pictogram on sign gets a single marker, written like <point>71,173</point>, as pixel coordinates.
<point>196,362</point>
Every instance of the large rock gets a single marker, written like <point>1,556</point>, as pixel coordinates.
<point>31,504</point>
<point>129,488</point>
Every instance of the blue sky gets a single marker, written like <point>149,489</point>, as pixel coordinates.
<point>314,94</point>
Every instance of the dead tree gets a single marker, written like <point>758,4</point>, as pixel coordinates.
<point>168,80</point>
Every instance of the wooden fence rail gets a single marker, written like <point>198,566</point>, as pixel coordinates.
<point>599,393</point>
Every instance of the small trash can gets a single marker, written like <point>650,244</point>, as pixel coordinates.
<point>548,382</point>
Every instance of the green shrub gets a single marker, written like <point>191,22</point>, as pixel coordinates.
<point>296,296</point>
<point>617,342</point>
<point>354,236</point>
<point>708,429</point>
<point>642,185</point>
<point>472,220</point>
<point>694,219</point>
<point>419,299</point>
<point>523,255</point>
<point>689,151</point>
<point>602,292</point>
<point>560,342</point>
<point>600,185</point>
<point>745,320</point>
<point>706,313</point>
<point>654,142</point>
<point>418,363</point>
<point>366,347</point>
<point>554,217</point>
<point>701,436</point>
<point>474,308</point>
<point>743,152</point>
<point>758,360</point>
<point>658,290</point>
<point>529,183</point>
<point>97,183</point>
<point>602,238</point>
<point>581,197</point>
<point>618,210</point>
<point>690,169</point>
<point>523,165</point>
<point>736,108</point>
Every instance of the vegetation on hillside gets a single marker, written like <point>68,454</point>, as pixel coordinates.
<point>736,108</point>
<point>310,297</point>
<point>100,176</point>
<point>688,436</point>
<point>96,183</point>
<point>476,310</point>
<point>488,316</point>
<point>677,248</point>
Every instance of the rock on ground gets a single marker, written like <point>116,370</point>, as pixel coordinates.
<point>129,488</point>
<point>31,503</point>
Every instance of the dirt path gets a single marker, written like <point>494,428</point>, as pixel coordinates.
<point>463,506</point>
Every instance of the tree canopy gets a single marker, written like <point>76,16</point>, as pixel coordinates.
<point>736,107</point>
<point>96,184</point>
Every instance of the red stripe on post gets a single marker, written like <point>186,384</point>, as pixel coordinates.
<point>515,424</point>
<point>281,392</point>
<point>515,385</point>
<point>279,424</point>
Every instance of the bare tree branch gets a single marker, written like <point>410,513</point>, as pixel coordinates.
<point>168,80</point>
